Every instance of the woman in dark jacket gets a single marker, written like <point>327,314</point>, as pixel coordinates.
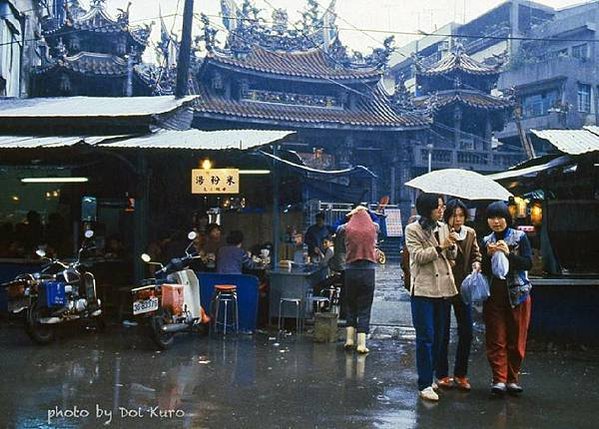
<point>507,311</point>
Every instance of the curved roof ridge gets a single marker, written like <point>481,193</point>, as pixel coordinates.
<point>458,61</point>
<point>94,10</point>
<point>313,64</point>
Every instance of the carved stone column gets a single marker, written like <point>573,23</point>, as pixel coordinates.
<point>403,175</point>
<point>393,173</point>
<point>457,125</point>
<point>488,133</point>
<point>345,152</point>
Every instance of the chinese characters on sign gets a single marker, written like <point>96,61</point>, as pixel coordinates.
<point>393,221</point>
<point>216,181</point>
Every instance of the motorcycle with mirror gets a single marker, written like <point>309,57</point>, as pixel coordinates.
<point>170,301</point>
<point>60,292</point>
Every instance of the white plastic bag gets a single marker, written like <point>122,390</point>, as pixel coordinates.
<point>500,265</point>
<point>475,288</point>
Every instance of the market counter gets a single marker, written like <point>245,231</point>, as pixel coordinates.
<point>564,309</point>
<point>293,284</point>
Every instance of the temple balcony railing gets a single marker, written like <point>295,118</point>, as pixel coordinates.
<point>489,161</point>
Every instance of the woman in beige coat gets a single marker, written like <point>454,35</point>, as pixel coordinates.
<point>431,247</point>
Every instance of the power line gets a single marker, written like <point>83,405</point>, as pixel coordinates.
<point>68,32</point>
<point>418,32</point>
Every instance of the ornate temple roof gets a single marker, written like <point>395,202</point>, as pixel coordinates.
<point>369,112</point>
<point>311,64</point>
<point>475,99</point>
<point>97,20</point>
<point>308,49</point>
<point>457,60</point>
<point>88,63</point>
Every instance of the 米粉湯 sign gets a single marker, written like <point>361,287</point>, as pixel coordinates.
<point>215,181</point>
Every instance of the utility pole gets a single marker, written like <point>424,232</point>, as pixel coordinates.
<point>276,216</point>
<point>184,51</point>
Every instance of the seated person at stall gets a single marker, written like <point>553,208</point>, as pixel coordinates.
<point>232,259</point>
<point>335,269</point>
<point>329,251</point>
<point>315,236</point>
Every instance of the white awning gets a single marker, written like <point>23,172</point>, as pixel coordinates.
<point>572,142</point>
<point>36,142</point>
<point>532,170</point>
<point>201,140</point>
<point>95,107</point>
<point>163,139</point>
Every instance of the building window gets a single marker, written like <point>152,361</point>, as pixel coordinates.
<point>580,51</point>
<point>538,104</point>
<point>584,97</point>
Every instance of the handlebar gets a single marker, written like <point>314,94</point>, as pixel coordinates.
<point>176,264</point>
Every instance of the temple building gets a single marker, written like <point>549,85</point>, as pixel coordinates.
<point>300,77</point>
<point>88,52</point>
<point>296,76</point>
<point>457,89</point>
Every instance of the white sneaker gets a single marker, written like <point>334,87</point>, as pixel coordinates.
<point>429,394</point>
<point>498,388</point>
<point>514,388</point>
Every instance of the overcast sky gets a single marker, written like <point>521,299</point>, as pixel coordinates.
<point>394,15</point>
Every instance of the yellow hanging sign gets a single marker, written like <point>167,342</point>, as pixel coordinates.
<point>215,181</point>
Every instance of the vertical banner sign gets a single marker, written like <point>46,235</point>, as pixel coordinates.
<point>216,181</point>
<point>393,220</point>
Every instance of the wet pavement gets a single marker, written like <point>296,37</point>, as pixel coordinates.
<point>264,381</point>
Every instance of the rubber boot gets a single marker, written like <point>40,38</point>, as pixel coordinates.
<point>362,343</point>
<point>350,335</point>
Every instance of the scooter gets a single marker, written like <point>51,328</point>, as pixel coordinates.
<point>170,301</point>
<point>60,293</point>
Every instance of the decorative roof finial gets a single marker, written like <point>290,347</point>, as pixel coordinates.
<point>402,98</point>
<point>380,56</point>
<point>280,19</point>
<point>123,16</point>
<point>209,33</point>
<point>61,49</point>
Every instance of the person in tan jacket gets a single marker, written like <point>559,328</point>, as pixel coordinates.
<point>431,247</point>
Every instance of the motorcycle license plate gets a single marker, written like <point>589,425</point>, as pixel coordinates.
<point>145,306</point>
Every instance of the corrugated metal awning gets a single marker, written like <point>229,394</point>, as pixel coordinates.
<point>37,142</point>
<point>533,170</point>
<point>201,140</point>
<point>90,107</point>
<point>163,139</point>
<point>572,142</point>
